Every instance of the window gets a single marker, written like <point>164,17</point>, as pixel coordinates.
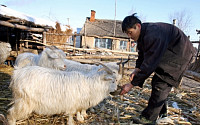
<point>123,45</point>
<point>103,43</point>
<point>133,46</point>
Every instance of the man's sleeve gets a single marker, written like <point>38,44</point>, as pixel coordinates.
<point>140,58</point>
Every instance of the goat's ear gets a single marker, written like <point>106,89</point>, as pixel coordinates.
<point>62,53</point>
<point>53,55</point>
<point>52,47</point>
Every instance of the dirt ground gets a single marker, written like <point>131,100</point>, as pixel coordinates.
<point>184,105</point>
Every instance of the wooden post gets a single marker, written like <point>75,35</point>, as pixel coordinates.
<point>128,61</point>
<point>129,43</point>
<point>7,34</point>
<point>128,46</point>
<point>74,44</point>
<point>85,34</point>
<point>16,38</point>
<point>26,44</point>
<point>198,50</point>
<point>44,38</point>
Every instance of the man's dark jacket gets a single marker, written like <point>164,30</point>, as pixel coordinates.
<point>164,49</point>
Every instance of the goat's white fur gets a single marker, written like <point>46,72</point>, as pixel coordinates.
<point>5,49</point>
<point>51,57</point>
<point>87,68</point>
<point>48,91</point>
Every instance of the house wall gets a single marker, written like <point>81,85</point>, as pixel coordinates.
<point>88,42</point>
<point>117,45</point>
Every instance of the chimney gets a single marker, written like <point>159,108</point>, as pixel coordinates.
<point>174,22</point>
<point>92,18</point>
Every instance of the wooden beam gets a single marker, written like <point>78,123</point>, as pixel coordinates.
<point>195,41</point>
<point>97,57</point>
<point>22,27</point>
<point>34,42</point>
<point>195,75</point>
<point>98,50</point>
<point>62,34</point>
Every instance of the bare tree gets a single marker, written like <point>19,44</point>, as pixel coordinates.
<point>140,16</point>
<point>183,20</point>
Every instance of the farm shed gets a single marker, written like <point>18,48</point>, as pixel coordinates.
<point>104,33</point>
<point>28,33</point>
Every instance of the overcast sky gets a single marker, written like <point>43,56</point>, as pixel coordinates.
<point>74,12</point>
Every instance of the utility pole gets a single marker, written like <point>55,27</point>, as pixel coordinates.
<point>114,32</point>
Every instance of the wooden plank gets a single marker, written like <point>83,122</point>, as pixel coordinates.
<point>31,41</point>
<point>100,50</point>
<point>5,23</point>
<point>195,41</point>
<point>61,34</point>
<point>195,75</point>
<point>98,57</point>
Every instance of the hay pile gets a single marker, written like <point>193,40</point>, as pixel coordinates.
<point>57,36</point>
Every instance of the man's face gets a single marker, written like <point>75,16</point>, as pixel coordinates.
<point>134,33</point>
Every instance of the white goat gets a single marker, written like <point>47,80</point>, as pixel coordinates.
<point>51,57</point>
<point>5,49</point>
<point>88,69</point>
<point>48,91</point>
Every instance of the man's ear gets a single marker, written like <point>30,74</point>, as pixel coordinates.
<point>138,25</point>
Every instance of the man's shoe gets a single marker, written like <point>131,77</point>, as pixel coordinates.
<point>145,121</point>
<point>162,115</point>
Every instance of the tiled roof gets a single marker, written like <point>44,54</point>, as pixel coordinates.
<point>103,27</point>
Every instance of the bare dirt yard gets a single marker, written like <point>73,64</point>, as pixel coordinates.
<point>183,109</point>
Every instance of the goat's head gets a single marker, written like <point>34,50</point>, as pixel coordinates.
<point>55,57</point>
<point>110,77</point>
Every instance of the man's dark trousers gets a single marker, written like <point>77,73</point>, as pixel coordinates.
<point>157,104</point>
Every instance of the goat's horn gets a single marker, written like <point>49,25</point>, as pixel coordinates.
<point>126,60</point>
<point>108,70</point>
<point>121,65</point>
<point>55,47</point>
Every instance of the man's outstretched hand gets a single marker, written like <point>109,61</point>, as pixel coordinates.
<point>126,88</point>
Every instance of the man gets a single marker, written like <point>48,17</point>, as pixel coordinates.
<point>164,49</point>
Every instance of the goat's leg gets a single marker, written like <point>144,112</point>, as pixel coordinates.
<point>19,110</point>
<point>79,117</point>
<point>71,120</point>
<point>83,113</point>
<point>3,119</point>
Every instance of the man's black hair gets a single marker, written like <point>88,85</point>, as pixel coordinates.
<point>129,22</point>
